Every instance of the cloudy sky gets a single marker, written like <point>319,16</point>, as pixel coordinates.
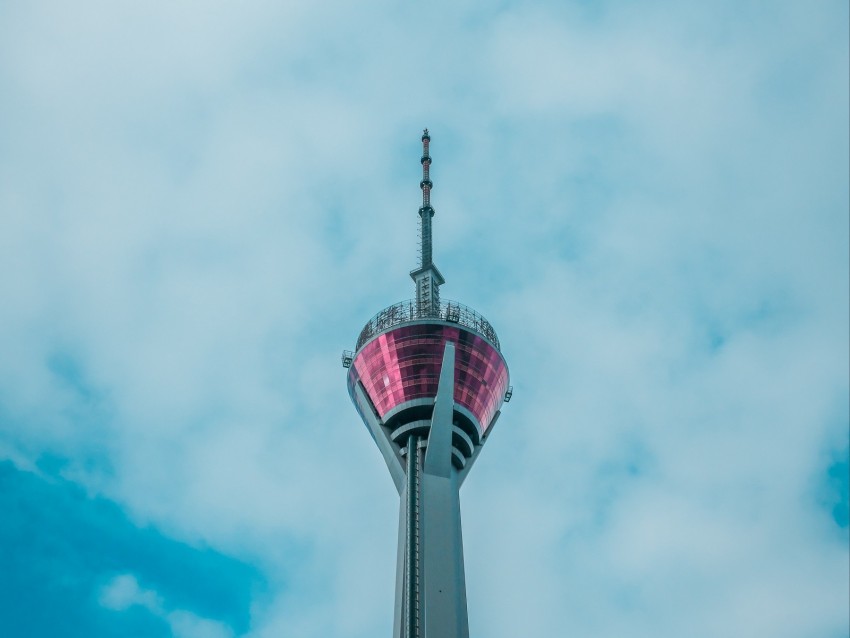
<point>201,203</point>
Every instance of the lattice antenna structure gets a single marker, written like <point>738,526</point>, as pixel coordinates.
<point>426,212</point>
<point>427,277</point>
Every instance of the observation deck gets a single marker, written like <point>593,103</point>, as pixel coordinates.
<point>399,356</point>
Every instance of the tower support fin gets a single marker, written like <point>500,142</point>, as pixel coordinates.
<point>438,457</point>
<point>400,614</point>
<point>382,439</point>
<point>442,573</point>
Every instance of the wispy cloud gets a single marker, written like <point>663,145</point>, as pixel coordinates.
<point>124,592</point>
<point>199,205</point>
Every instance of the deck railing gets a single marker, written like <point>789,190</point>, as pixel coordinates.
<point>404,311</point>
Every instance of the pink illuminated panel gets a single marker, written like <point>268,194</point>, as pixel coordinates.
<point>404,364</point>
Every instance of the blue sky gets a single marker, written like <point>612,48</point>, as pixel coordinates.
<point>202,203</point>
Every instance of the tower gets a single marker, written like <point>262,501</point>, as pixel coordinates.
<point>428,379</point>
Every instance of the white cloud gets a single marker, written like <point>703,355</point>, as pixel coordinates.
<point>123,592</point>
<point>187,625</point>
<point>201,204</point>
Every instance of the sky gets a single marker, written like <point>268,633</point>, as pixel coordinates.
<point>201,204</point>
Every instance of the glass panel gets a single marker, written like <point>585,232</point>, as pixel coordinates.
<point>404,364</point>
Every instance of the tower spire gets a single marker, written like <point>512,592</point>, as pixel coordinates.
<point>426,212</point>
<point>427,278</point>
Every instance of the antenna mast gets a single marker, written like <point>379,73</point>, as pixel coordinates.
<point>427,278</point>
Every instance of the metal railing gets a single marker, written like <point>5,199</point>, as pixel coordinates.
<point>404,311</point>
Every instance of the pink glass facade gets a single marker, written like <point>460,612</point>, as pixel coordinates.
<point>404,364</point>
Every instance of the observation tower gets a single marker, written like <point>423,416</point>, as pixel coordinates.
<point>428,379</point>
